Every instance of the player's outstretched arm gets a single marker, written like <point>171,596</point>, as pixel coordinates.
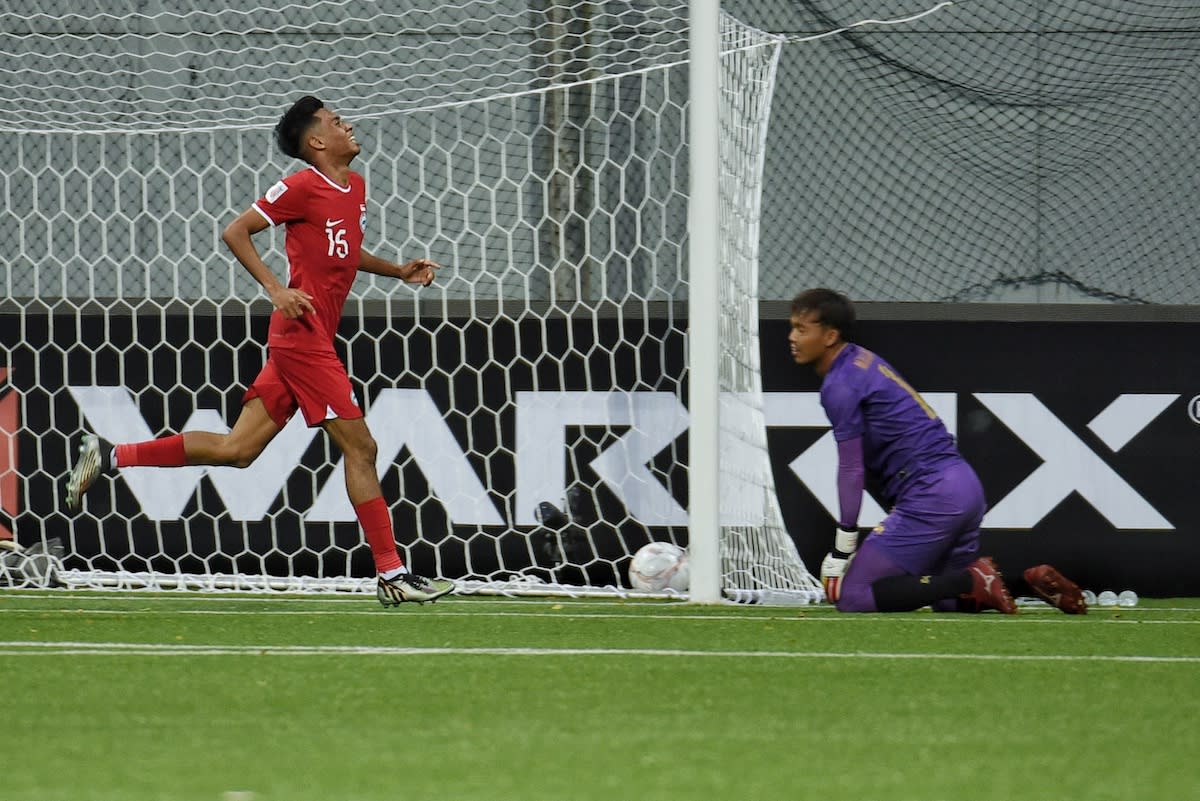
<point>417,271</point>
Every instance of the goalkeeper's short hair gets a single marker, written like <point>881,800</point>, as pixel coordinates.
<point>832,309</point>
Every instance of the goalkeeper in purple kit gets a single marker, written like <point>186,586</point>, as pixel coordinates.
<point>926,551</point>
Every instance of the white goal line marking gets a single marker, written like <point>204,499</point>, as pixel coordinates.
<point>1040,617</point>
<point>34,648</point>
<point>76,601</point>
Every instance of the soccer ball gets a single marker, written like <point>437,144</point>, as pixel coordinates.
<point>659,566</point>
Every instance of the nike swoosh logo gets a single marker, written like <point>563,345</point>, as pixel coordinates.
<point>330,223</point>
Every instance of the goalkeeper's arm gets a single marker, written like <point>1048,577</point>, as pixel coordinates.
<point>851,479</point>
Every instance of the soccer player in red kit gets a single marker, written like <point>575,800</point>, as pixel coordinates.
<point>324,211</point>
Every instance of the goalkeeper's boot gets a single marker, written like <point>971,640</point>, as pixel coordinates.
<point>94,460</point>
<point>987,587</point>
<point>1056,589</point>
<point>411,587</point>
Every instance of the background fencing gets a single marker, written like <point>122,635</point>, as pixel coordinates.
<point>993,150</point>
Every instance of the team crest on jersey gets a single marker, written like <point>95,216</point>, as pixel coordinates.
<point>276,191</point>
<point>362,217</point>
<point>864,359</point>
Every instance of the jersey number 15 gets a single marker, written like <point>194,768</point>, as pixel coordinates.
<point>338,246</point>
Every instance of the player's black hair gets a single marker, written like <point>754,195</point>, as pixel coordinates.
<point>295,122</point>
<point>832,308</point>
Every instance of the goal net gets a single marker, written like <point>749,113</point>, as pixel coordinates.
<point>529,408</point>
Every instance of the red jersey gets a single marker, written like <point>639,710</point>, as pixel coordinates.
<point>323,240</point>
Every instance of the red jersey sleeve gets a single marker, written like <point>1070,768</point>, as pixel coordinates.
<point>286,201</point>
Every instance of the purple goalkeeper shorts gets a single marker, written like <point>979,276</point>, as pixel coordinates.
<point>933,529</point>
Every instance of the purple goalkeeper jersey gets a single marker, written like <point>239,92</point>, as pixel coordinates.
<point>902,436</point>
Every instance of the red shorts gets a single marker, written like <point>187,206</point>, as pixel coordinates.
<point>314,383</point>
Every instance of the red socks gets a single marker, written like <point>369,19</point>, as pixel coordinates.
<point>163,452</point>
<point>376,521</point>
<point>373,515</point>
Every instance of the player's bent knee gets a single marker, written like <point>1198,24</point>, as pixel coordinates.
<point>856,597</point>
<point>365,452</point>
<point>237,455</point>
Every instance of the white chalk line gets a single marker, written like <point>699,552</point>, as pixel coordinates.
<point>1038,616</point>
<point>38,648</point>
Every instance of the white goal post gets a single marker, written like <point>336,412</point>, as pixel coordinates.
<point>531,408</point>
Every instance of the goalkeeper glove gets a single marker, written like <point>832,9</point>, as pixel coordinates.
<point>836,562</point>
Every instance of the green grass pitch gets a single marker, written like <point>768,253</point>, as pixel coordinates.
<point>191,697</point>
